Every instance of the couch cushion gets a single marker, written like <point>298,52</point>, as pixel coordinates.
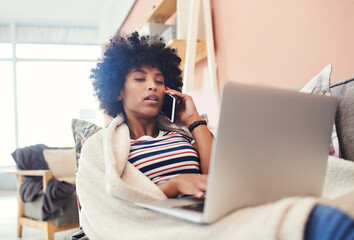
<point>345,116</point>
<point>34,210</point>
<point>61,162</point>
<point>320,84</point>
<point>82,130</point>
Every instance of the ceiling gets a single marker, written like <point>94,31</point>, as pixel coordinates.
<point>105,15</point>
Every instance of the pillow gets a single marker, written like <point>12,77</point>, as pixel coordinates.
<point>320,84</point>
<point>82,130</point>
<point>61,161</point>
<point>345,114</point>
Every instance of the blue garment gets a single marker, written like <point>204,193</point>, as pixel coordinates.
<point>328,223</point>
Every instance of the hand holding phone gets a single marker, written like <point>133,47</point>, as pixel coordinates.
<point>169,107</point>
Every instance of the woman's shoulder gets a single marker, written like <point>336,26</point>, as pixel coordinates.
<point>179,134</point>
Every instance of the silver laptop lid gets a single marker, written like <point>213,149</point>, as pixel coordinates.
<point>270,143</point>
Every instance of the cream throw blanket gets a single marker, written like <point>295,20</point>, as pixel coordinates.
<point>107,184</point>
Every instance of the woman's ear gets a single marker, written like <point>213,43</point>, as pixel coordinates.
<point>121,94</point>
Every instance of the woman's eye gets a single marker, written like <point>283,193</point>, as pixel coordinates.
<point>159,82</point>
<point>140,79</point>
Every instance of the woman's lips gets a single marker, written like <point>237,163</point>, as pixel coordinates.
<point>152,99</point>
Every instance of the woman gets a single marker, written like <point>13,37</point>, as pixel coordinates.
<point>142,157</point>
<point>132,80</point>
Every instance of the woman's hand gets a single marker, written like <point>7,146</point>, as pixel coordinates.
<point>186,111</point>
<point>185,184</point>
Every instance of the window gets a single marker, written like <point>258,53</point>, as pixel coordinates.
<point>50,94</point>
<point>53,86</point>
<point>56,51</point>
<point>5,50</point>
<point>7,121</point>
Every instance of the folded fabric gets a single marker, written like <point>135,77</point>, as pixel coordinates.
<point>56,196</point>
<point>31,188</point>
<point>30,158</point>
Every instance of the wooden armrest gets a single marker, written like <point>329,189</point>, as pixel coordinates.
<point>29,172</point>
<point>46,175</point>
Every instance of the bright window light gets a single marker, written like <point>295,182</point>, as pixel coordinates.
<point>53,51</point>
<point>53,87</point>
<point>5,50</point>
<point>7,123</point>
<point>50,95</point>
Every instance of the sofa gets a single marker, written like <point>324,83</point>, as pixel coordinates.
<point>344,121</point>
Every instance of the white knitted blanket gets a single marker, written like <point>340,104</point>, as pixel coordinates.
<point>107,186</point>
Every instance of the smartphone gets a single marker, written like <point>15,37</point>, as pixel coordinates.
<point>169,107</point>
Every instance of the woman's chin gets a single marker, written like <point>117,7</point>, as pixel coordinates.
<point>152,115</point>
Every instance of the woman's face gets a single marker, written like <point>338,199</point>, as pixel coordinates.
<point>143,92</point>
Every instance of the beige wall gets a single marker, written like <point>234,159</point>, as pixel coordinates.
<point>277,43</point>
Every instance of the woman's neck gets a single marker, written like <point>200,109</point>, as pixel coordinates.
<point>142,127</point>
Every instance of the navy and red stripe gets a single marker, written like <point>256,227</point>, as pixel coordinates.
<point>164,157</point>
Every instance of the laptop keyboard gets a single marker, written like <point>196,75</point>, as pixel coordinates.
<point>198,207</point>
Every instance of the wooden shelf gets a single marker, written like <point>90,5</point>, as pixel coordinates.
<point>162,11</point>
<point>181,46</point>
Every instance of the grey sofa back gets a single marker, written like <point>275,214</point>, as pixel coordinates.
<point>344,91</point>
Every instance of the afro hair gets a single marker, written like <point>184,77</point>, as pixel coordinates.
<point>122,55</point>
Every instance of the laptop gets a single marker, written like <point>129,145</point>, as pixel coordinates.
<point>270,143</point>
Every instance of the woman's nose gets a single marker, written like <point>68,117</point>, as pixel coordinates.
<point>152,86</point>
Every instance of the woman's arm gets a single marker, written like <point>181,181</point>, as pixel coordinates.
<point>203,143</point>
<point>187,113</point>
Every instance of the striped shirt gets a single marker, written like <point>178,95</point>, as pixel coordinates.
<point>164,157</point>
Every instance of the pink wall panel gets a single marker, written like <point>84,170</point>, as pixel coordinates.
<point>276,43</point>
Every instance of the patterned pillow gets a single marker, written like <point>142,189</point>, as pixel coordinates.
<point>82,130</point>
<point>321,85</point>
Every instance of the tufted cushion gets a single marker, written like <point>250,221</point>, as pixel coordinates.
<point>345,116</point>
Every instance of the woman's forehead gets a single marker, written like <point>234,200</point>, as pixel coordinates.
<point>144,68</point>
